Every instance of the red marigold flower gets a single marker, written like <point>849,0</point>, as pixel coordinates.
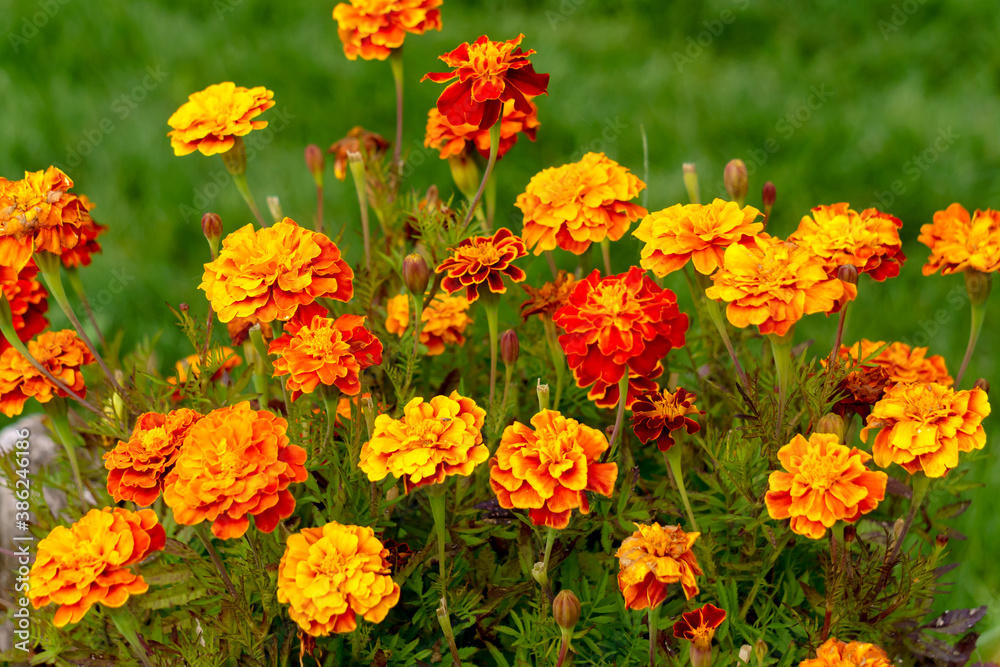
<point>548,298</point>
<point>835,653</point>
<point>235,462</point>
<point>211,119</point>
<point>959,241</point>
<point>617,324</point>
<point>489,74</point>
<point>653,557</point>
<point>373,28</point>
<point>698,626</point>
<point>451,140</point>
<point>657,414</point>
<point>28,301</point>
<point>483,259</point>
<point>80,254</point>
<point>548,470</point>
<point>62,353</point>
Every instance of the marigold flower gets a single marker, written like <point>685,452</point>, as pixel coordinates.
<point>548,470</point>
<point>326,351</point>
<point>548,298</point>
<point>617,324</point>
<point>225,358</point>
<point>359,140</point>
<point>489,74</point>
<point>835,653</point>
<point>239,328</point>
<point>925,425</point>
<point>451,140</point>
<point>211,119</point>
<point>268,273</point>
<point>959,241</point>
<point>61,353</point>
<point>825,482</point>
<point>901,362</point>
<point>445,319</point>
<point>773,284</point>
<point>698,626</point>
<point>483,259</point>
<point>373,28</point>
<point>433,440</point>
<point>80,254</point>
<point>90,562</point>
<point>345,403</point>
<point>28,301</point>
<point>864,388</point>
<point>578,204</point>
<point>657,414</point>
<point>235,462</point>
<point>653,557</point>
<point>696,233</point>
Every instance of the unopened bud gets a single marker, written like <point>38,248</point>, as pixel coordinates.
<point>760,651</point>
<point>465,173</point>
<point>184,307</point>
<point>691,182</point>
<point>566,609</point>
<point>314,161</point>
<point>737,181</point>
<point>416,275</point>
<point>850,534</point>
<point>768,195</point>
<point>543,395</point>
<point>832,423</point>
<point>848,273</point>
<point>368,411</point>
<point>983,383</point>
<point>211,227</point>
<point>510,347</point>
<point>941,540</point>
<point>977,284</point>
<point>274,207</point>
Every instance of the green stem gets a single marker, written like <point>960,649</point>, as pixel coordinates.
<point>543,574</point>
<point>360,185</point>
<point>653,615</point>
<point>558,358</point>
<point>319,209</point>
<point>77,283</point>
<point>199,530</point>
<point>261,374</point>
<point>978,316</point>
<point>620,417</point>
<point>244,189</point>
<point>492,305</point>
<point>550,258</point>
<point>445,621</point>
<point>396,62</point>
<point>127,624</point>
<point>494,149</point>
<point>437,494</point>
<point>57,410</point>
<point>491,198</point>
<point>840,335</point>
<point>921,483</point>
<point>715,313</point>
<point>781,348</point>
<point>606,254</point>
<point>673,459</point>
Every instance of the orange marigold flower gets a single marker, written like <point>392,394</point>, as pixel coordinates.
<point>330,575</point>
<point>825,482</point>
<point>653,557</point>
<point>90,562</point>
<point>901,362</point>
<point>211,119</point>
<point>925,425</point>
<point>578,204</point>
<point>698,626</point>
<point>835,653</point>
<point>489,74</point>
<point>773,284</point>
<point>80,254</point>
<point>373,28</point>
<point>28,301</point>
<point>38,213</point>
<point>657,414</point>
<point>549,470</point>
<point>445,320</point>
<point>62,353</point>
<point>696,233</point>
<point>483,259</point>
<point>326,351</point>
<point>268,273</point>
<point>433,440</point>
<point>359,140</point>
<point>136,468</point>
<point>235,462</point>
<point>548,298</point>
<point>452,140</point>
<point>959,241</point>
<point>619,324</point>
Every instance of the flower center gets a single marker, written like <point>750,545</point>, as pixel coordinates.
<point>667,407</point>
<point>489,60</point>
<point>702,636</point>
<point>323,343</point>
<point>486,254</point>
<point>821,473</point>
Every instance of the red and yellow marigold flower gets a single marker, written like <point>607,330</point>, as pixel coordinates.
<point>453,140</point>
<point>959,241</point>
<point>444,320</point>
<point>823,482</point>
<point>652,558</point>
<point>548,298</point>
<point>619,324</point>
<point>835,653</point>
<point>137,468</point>
<point>924,426</point>
<point>90,562</point>
<point>62,353</point>
<point>489,74</point>
<point>657,414</point>
<point>549,470</point>
<point>211,119</point>
<point>235,463</point>
<point>330,575</point>
<point>28,301</point>
<point>694,233</point>
<point>483,259</point>
<point>773,284</point>
<point>373,28</point>
<point>80,254</point>
<point>433,440</point>
<point>268,273</point>
<point>901,362</point>
<point>699,626</point>
<point>578,204</point>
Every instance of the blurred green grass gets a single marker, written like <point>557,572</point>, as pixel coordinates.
<point>833,102</point>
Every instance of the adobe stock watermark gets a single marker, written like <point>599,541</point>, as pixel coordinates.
<point>565,10</point>
<point>31,25</point>
<point>713,29</point>
<point>120,279</point>
<point>915,167</point>
<point>901,13</point>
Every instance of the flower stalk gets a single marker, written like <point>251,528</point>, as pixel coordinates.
<point>494,149</point>
<point>235,160</point>
<point>672,457</point>
<point>357,165</point>
<point>199,530</point>
<point>58,412</point>
<point>977,284</point>
<point>445,621</point>
<point>491,302</point>
<point>396,62</point>
<point>128,625</point>
<point>620,417</point>
<point>653,616</point>
<point>781,348</point>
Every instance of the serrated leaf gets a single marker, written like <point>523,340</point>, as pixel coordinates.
<point>177,548</point>
<point>170,574</point>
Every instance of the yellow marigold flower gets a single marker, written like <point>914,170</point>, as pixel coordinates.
<point>549,470</point>
<point>901,362</point>
<point>62,353</point>
<point>451,140</point>
<point>653,557</point>
<point>773,284</point>
<point>91,561</point>
<point>268,273</point>
<point>548,298</point>
<point>578,204</point>
<point>445,320</point>
<point>825,482</point>
<point>925,425</point>
<point>373,28</point>
<point>330,575</point>
<point>835,653</point>
<point>959,241</point>
<point>696,233</point>
<point>211,119</point>
<point>433,440</point>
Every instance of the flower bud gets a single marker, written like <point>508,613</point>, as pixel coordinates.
<point>543,395</point>
<point>274,206</point>
<point>848,273</point>
<point>737,181</point>
<point>566,609</point>
<point>465,173</point>
<point>977,284</point>
<point>416,275</point>
<point>184,307</point>
<point>768,195</point>
<point>510,347</point>
<point>211,227</point>
<point>850,534</point>
<point>941,540</point>
<point>760,651</point>
<point>314,161</point>
<point>832,423</point>
<point>691,182</point>
<point>983,383</point>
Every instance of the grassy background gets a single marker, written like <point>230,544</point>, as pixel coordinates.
<point>837,102</point>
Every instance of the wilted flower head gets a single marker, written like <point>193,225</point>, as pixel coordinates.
<point>864,387</point>
<point>444,319</point>
<point>651,559</point>
<point>835,653</point>
<point>28,301</point>
<point>483,259</point>
<point>959,241</point>
<point>211,119</point>
<point>62,353</point>
<point>452,140</point>
<point>699,626</point>
<point>901,362</point>
<point>548,298</point>
<point>373,28</point>
<point>370,145</point>
<point>657,414</point>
